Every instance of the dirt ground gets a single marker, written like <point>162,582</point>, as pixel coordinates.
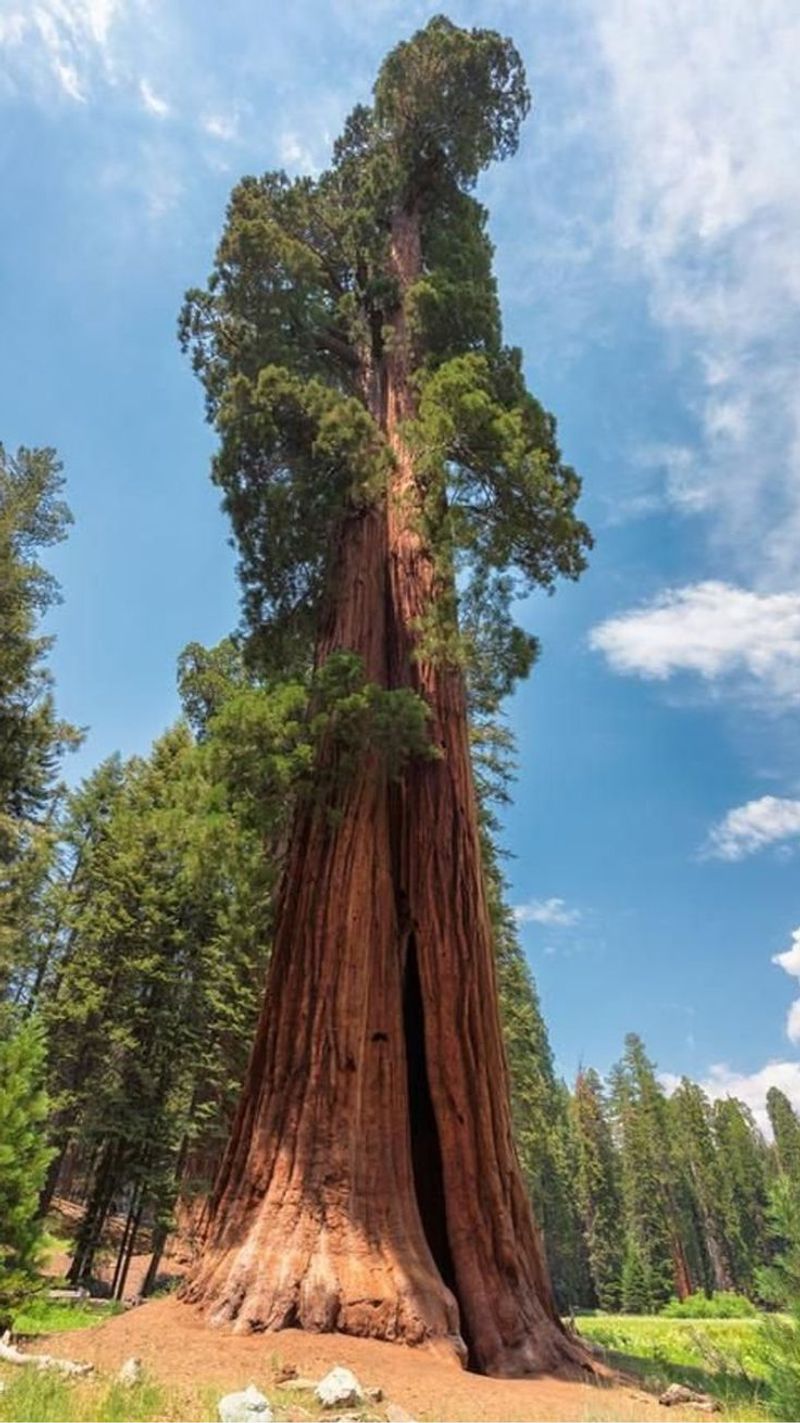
<point>177,1347</point>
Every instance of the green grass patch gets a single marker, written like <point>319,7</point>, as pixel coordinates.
<point>43,1316</point>
<point>717,1356</point>
<point>33,1397</point>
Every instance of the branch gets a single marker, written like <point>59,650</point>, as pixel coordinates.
<point>10,1355</point>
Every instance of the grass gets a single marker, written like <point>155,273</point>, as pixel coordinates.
<point>43,1316</point>
<point>33,1397</point>
<point>716,1356</point>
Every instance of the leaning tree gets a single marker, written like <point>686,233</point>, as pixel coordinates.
<point>384,468</point>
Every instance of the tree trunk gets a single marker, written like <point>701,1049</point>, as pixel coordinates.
<point>371,1183</point>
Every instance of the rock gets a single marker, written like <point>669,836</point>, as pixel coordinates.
<point>680,1393</point>
<point>339,1389</point>
<point>375,1395</point>
<point>249,1406</point>
<point>396,1414</point>
<point>131,1372</point>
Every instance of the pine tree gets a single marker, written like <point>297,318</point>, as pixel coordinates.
<point>599,1193</point>
<point>24,1155</point>
<point>697,1158</point>
<point>786,1130</point>
<point>375,436</point>
<point>32,738</point>
<point>655,1252</point>
<point>743,1159</point>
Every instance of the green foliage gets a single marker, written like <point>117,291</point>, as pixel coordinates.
<point>24,1156</point>
<point>291,332</point>
<point>154,993</point>
<point>357,718</point>
<point>721,1304</point>
<point>744,1162</point>
<point>780,1283</point>
<point>32,738</point>
<point>699,1167</point>
<point>449,101</point>
<point>598,1192</point>
<point>786,1129</point>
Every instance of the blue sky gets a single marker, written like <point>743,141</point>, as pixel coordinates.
<point>646,252</point>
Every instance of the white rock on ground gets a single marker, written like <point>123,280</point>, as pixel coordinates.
<point>131,1372</point>
<point>249,1406</point>
<point>339,1389</point>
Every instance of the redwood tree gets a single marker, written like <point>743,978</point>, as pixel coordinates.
<point>381,461</point>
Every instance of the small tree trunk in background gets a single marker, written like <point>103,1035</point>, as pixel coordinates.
<point>97,1209</point>
<point>131,1232</point>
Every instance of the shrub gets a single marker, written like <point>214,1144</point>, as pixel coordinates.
<point>722,1304</point>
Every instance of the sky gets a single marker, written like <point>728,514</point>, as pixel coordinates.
<point>647,258</point>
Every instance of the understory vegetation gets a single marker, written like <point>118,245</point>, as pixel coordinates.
<point>722,1357</point>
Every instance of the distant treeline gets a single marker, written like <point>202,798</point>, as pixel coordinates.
<point>135,920</point>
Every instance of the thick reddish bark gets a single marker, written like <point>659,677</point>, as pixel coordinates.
<point>371,1183</point>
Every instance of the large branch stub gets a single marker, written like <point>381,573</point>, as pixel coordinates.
<point>371,1183</point>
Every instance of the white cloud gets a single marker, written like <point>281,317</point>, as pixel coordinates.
<point>151,101</point>
<point>553,912</point>
<point>67,76</point>
<point>752,827</point>
<point>223,126</point>
<point>702,121</point>
<point>715,630</point>
<point>750,1088</point>
<point>294,153</point>
<point>789,961</point>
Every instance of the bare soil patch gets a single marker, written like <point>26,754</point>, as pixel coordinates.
<point>178,1347</point>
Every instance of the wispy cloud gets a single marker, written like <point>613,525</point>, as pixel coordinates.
<point>152,102</point>
<point>60,45</point>
<point>296,154</point>
<point>552,912</point>
<point>726,635</point>
<point>225,127</point>
<point>703,109</point>
<point>752,827</point>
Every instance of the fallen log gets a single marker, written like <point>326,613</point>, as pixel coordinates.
<point>9,1354</point>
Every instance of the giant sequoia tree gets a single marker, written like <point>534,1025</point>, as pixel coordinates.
<point>382,463</point>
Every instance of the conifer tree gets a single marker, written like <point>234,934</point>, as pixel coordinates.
<point>598,1188</point>
<point>697,1159</point>
<point>655,1253</point>
<point>744,1169</point>
<point>32,738</point>
<point>786,1131</point>
<point>376,438</point>
<point>24,1154</point>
